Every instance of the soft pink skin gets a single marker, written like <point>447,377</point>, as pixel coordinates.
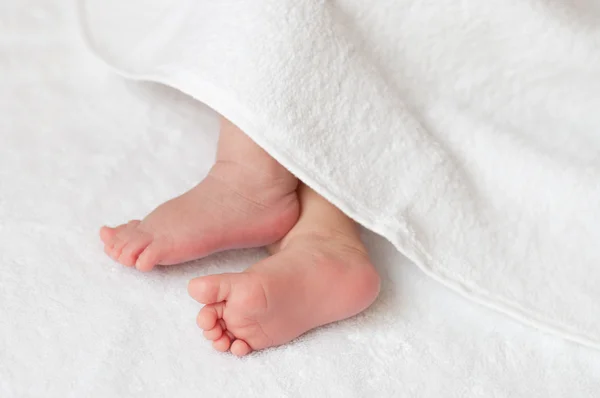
<point>247,200</point>
<point>308,284</point>
<point>216,215</point>
<point>318,272</point>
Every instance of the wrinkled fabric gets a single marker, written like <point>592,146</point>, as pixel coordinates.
<point>466,134</point>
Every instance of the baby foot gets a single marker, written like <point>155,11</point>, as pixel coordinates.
<point>232,208</point>
<point>314,280</point>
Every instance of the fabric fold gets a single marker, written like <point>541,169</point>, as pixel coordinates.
<point>467,135</point>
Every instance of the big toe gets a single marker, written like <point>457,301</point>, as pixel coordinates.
<point>211,289</point>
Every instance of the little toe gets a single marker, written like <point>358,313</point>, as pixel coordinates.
<point>240,348</point>
<point>209,316</point>
<point>222,344</point>
<point>132,250</point>
<point>214,333</point>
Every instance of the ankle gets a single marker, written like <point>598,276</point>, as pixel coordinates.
<point>246,177</point>
<point>305,235</point>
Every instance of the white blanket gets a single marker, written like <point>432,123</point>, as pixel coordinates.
<point>467,134</point>
<point>79,148</point>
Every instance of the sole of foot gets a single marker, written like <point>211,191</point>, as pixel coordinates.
<point>311,280</point>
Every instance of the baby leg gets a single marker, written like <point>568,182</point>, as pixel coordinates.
<point>247,200</point>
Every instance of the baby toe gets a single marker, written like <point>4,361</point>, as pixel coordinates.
<point>214,333</point>
<point>213,288</point>
<point>122,238</point>
<point>222,344</point>
<point>150,256</point>
<point>108,233</point>
<point>108,250</point>
<point>209,316</point>
<point>132,249</point>
<point>240,348</point>
<point>115,247</point>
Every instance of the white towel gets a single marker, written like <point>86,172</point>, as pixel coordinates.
<point>466,133</point>
<point>80,147</point>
